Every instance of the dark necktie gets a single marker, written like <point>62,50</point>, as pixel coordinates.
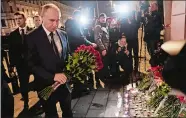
<point>53,44</point>
<point>22,35</point>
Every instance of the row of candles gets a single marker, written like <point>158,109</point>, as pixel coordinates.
<point>126,105</point>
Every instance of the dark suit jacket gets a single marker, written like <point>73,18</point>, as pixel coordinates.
<point>75,34</point>
<point>42,61</point>
<point>16,48</point>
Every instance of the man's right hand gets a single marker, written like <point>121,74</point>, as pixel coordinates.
<point>60,77</point>
<point>104,52</point>
<point>11,69</point>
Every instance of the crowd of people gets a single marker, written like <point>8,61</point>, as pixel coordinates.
<point>43,50</point>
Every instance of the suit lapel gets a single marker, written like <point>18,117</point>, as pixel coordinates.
<point>45,41</point>
<point>18,35</point>
<point>63,43</point>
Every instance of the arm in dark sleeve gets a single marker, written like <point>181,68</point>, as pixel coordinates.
<point>34,62</point>
<point>97,37</point>
<point>74,34</point>
<point>11,50</point>
<point>87,42</point>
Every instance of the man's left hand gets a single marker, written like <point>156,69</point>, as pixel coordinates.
<point>94,45</point>
<point>127,52</point>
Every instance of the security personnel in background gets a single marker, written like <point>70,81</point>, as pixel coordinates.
<point>37,21</point>
<point>17,51</point>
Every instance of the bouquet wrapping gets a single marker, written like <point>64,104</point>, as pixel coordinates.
<point>84,60</point>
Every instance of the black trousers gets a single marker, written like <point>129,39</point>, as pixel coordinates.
<point>23,74</point>
<point>133,45</point>
<point>7,98</point>
<point>61,95</point>
<point>126,64</point>
<point>104,72</point>
<point>151,47</point>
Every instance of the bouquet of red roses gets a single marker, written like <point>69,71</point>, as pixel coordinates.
<point>85,60</point>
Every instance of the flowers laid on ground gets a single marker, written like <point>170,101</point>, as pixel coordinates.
<point>156,72</point>
<point>154,100</point>
<point>182,113</point>
<point>158,94</point>
<point>145,83</point>
<point>170,108</point>
<point>85,60</point>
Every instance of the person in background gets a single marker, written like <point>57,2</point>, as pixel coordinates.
<point>76,38</point>
<point>101,37</point>
<point>75,32</point>
<point>132,39</point>
<point>37,21</point>
<point>121,57</point>
<point>114,36</point>
<point>17,50</point>
<point>152,29</point>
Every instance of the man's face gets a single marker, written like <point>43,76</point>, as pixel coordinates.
<point>37,21</point>
<point>20,20</point>
<point>153,7</point>
<point>51,19</point>
<point>102,19</point>
<point>123,41</point>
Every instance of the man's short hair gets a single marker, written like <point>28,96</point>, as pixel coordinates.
<point>36,16</point>
<point>48,6</point>
<point>103,15</point>
<point>20,13</point>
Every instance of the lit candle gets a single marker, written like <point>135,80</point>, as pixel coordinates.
<point>126,100</point>
<point>126,95</point>
<point>126,106</point>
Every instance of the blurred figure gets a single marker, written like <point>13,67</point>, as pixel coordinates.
<point>76,37</point>
<point>37,21</point>
<point>75,32</point>
<point>175,69</point>
<point>114,36</point>
<point>7,99</point>
<point>114,33</point>
<point>101,37</point>
<point>152,28</point>
<point>132,39</point>
<point>17,52</point>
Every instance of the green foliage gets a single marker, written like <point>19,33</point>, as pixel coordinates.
<point>171,107</point>
<point>159,93</point>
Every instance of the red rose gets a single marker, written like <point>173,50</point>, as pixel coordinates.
<point>82,47</point>
<point>97,54</point>
<point>92,50</point>
<point>182,99</point>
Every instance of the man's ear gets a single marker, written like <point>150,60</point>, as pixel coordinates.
<point>173,47</point>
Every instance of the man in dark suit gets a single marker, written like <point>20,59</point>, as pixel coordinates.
<point>47,52</point>
<point>37,21</point>
<point>16,54</point>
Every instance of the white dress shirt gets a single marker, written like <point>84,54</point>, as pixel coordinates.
<point>24,28</point>
<point>56,40</point>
